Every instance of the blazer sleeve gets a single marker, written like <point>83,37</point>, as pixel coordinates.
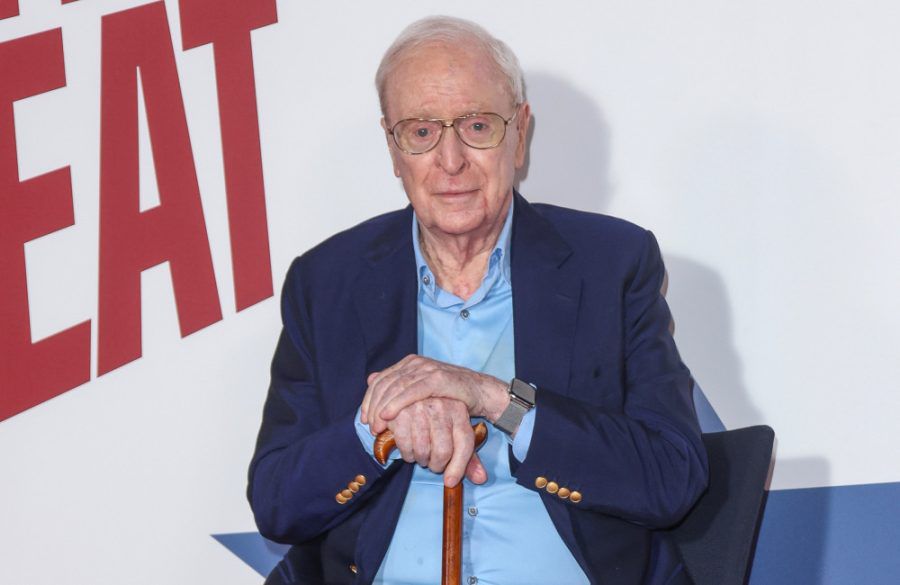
<point>305,455</point>
<point>641,459</point>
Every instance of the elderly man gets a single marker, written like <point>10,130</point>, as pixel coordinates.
<point>474,304</point>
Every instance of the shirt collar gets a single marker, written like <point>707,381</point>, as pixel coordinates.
<point>500,253</point>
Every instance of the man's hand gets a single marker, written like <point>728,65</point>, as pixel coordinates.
<point>436,433</point>
<point>427,405</point>
<point>415,378</point>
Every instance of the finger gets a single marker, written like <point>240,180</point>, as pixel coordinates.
<point>475,470</point>
<point>367,399</point>
<point>442,443</point>
<point>377,390</point>
<point>374,378</point>
<point>463,447</point>
<point>403,438</point>
<point>421,433</point>
<point>374,396</point>
<point>363,417</point>
<point>414,391</point>
<point>364,407</point>
<point>379,383</point>
<point>437,380</point>
<point>394,381</point>
<point>388,388</point>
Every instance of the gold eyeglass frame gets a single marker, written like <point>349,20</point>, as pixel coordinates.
<point>451,122</point>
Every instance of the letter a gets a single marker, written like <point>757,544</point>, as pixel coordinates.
<point>132,241</point>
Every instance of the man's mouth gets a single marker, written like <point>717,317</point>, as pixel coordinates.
<point>455,192</point>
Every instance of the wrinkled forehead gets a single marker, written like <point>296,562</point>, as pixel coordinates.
<point>439,71</point>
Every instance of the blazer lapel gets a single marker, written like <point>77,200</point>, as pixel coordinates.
<point>546,296</point>
<point>385,296</point>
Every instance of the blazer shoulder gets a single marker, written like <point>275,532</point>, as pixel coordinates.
<point>378,234</point>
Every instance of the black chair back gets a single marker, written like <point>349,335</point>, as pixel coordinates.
<point>718,537</point>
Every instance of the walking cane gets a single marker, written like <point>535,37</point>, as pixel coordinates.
<point>451,551</point>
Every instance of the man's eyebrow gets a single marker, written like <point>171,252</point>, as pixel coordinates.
<point>468,112</point>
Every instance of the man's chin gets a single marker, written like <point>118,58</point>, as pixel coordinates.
<point>460,224</point>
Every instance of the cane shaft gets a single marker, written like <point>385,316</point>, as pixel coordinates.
<point>451,552</point>
<point>451,556</point>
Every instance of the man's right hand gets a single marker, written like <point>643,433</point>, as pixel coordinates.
<point>436,433</point>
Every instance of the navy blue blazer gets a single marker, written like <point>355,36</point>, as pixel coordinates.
<point>615,420</point>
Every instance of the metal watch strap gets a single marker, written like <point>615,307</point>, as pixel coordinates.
<point>521,400</point>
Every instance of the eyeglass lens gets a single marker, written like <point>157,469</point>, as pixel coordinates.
<point>477,131</point>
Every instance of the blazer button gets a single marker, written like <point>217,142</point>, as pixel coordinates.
<point>353,486</point>
<point>360,479</point>
<point>353,568</point>
<point>563,493</point>
<point>347,494</point>
<point>552,487</point>
<point>575,497</point>
<point>540,482</point>
<point>340,499</point>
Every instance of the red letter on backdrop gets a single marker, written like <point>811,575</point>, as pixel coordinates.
<point>31,373</point>
<point>9,8</point>
<point>130,240</point>
<point>227,25</point>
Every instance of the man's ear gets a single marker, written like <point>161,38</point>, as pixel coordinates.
<point>390,148</point>
<point>523,122</point>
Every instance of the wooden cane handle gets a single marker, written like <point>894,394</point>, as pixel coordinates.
<point>385,443</point>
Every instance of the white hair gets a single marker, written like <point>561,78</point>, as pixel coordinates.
<point>450,30</point>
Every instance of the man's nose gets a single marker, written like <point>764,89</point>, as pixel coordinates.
<point>451,152</point>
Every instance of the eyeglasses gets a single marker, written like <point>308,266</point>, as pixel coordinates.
<point>482,130</point>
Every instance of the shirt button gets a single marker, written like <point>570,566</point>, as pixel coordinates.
<point>426,279</point>
<point>464,313</point>
<point>473,580</point>
<point>473,511</point>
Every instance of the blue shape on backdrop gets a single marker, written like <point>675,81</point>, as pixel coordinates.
<point>260,553</point>
<point>709,420</point>
<point>838,535</point>
<point>815,536</point>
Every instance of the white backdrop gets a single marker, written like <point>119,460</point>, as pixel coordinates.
<point>760,142</point>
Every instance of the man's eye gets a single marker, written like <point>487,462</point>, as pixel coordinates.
<point>422,132</point>
<point>477,126</point>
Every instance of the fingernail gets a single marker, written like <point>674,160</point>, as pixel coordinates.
<point>450,480</point>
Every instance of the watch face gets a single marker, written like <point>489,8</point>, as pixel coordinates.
<point>521,400</point>
<point>522,390</point>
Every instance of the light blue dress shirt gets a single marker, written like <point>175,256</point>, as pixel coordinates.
<point>508,537</point>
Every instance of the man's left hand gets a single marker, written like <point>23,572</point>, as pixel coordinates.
<point>416,378</point>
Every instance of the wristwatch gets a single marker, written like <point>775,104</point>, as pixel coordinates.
<point>521,400</point>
